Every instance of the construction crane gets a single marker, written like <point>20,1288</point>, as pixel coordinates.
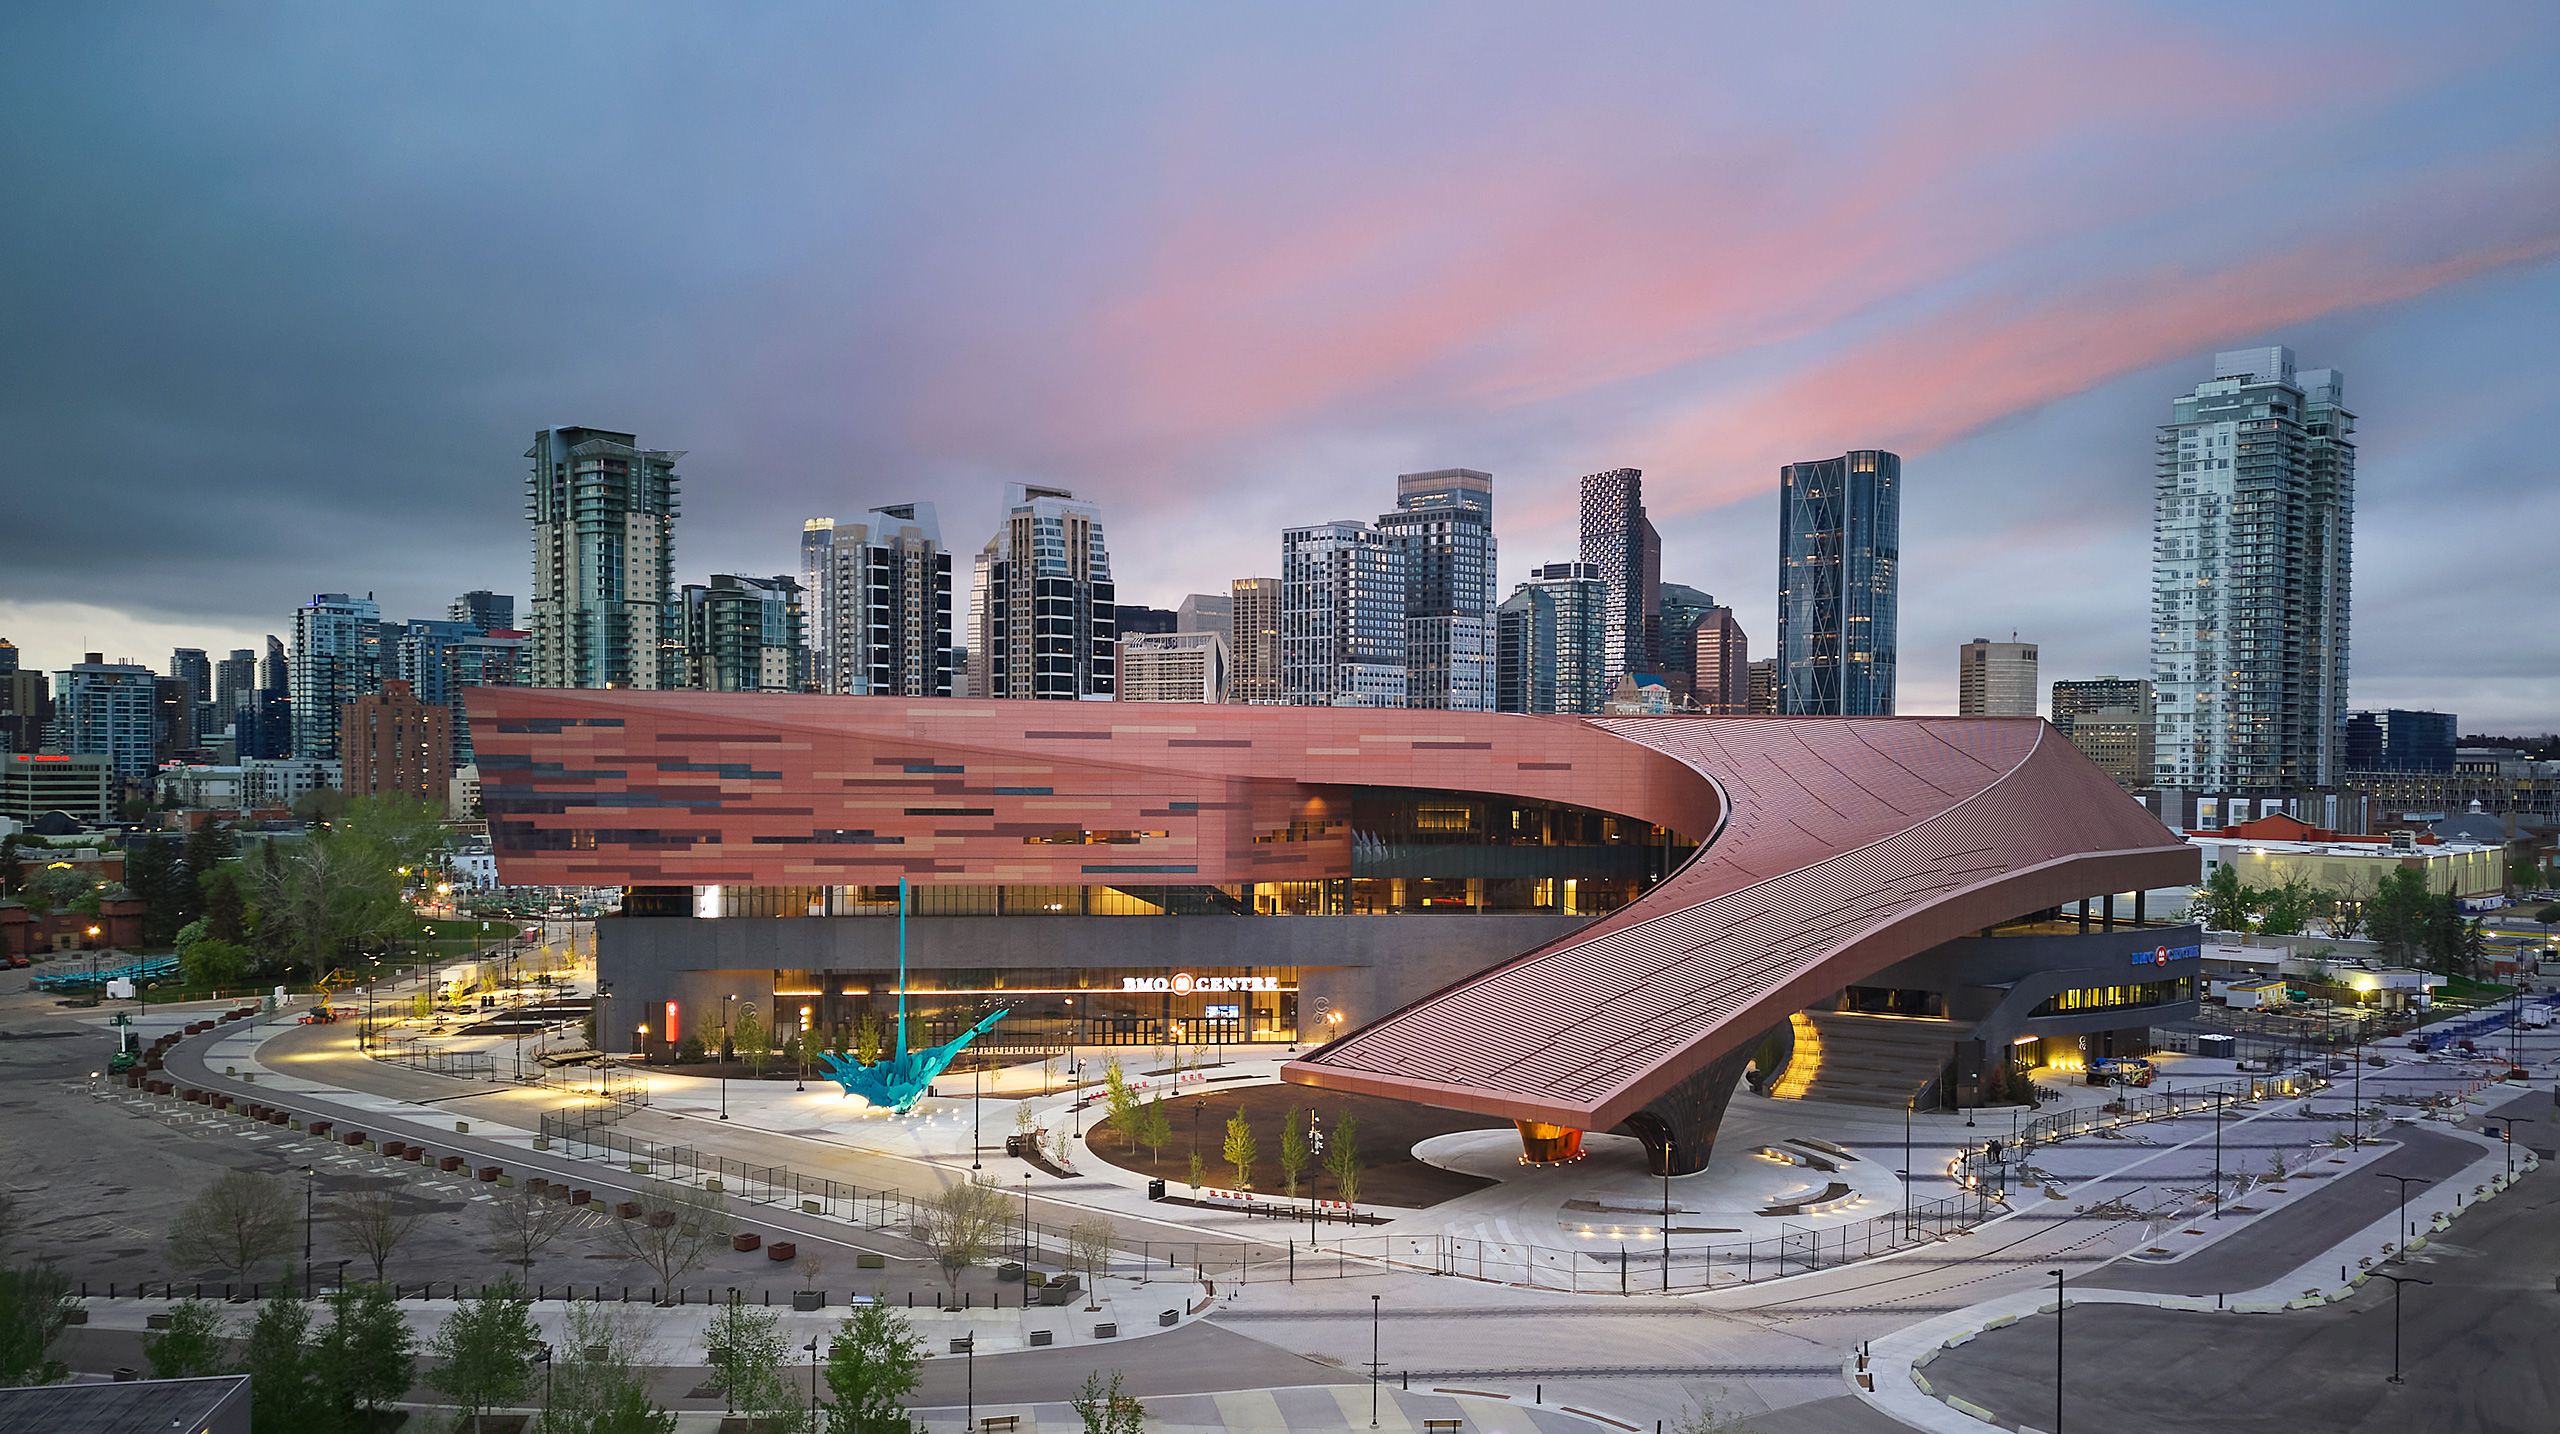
<point>321,1012</point>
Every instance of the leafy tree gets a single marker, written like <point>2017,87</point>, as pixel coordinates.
<point>747,1353</point>
<point>241,1221</point>
<point>2286,908</point>
<point>1240,1149</point>
<point>1293,1149</point>
<point>2549,916</point>
<point>1106,1407</point>
<point>35,1303</point>
<point>376,1221</point>
<point>2522,870</point>
<point>1089,1245</point>
<point>2349,904</point>
<point>1120,1101</point>
<point>1707,1419</point>
<point>283,1369</point>
<point>191,1347</point>
<point>226,904</point>
<point>677,1226</point>
<point>872,1367</point>
<point>485,1349</point>
<point>598,1383</point>
<point>13,869</point>
<point>1155,1127</point>
<point>214,963</point>
<point>1342,1158</point>
<point>870,1039</point>
<point>522,1224</point>
<point>753,1039</point>
<point>1199,1168</point>
<point>962,1223</point>
<point>2396,915</point>
<point>368,1357</point>
<point>2223,901</point>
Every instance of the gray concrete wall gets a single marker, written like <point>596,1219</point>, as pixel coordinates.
<point>1365,966</point>
<point>1974,971</point>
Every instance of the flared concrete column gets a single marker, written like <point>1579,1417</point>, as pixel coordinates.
<point>1679,1127</point>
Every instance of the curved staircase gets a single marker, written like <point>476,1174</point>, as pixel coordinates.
<point>1866,1060</point>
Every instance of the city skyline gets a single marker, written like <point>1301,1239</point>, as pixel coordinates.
<point>2009,342</point>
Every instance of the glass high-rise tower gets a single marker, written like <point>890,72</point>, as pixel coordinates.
<point>2253,528</point>
<point>1619,540</point>
<point>1041,602</point>
<point>605,604</point>
<point>1839,564</point>
<point>1443,521</point>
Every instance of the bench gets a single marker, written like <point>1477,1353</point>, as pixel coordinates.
<point>992,1422</point>
<point>1443,1426</point>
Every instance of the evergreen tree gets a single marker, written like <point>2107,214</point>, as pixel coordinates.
<point>1293,1149</point>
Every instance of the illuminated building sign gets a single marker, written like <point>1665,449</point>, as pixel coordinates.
<point>1183,983</point>
<point>2163,955</point>
<point>670,1032</point>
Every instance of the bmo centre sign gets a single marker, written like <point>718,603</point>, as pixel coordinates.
<point>1183,983</point>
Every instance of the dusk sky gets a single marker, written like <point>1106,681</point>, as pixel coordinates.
<point>289,287</point>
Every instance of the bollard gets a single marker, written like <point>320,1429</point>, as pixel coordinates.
<point>1540,1396</point>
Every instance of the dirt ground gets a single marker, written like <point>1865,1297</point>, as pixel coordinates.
<point>1388,1131</point>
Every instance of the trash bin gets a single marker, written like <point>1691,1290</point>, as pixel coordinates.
<point>1155,1189</point>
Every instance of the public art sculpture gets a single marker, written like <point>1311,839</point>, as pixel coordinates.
<point>896,1082</point>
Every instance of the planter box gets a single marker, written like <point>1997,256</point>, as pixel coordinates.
<point>865,1260</point>
<point>75,1316</point>
<point>1106,1331</point>
<point>1039,1337</point>
<point>412,1154</point>
<point>807,1300</point>
<point>156,1321</point>
<point>1169,1318</point>
<point>489,1173</point>
<point>581,1197</point>
<point>782,1252</point>
<point>662,1219</point>
<point>1009,1270</point>
<point>628,1209</point>
<point>450,1162</point>
<point>354,1137</point>
<point>462,1127</point>
<point>320,1127</point>
<point>745,1241</point>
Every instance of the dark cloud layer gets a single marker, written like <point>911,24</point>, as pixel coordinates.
<point>290,287</point>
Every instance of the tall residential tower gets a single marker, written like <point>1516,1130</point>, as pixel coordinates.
<point>1443,523</point>
<point>1041,600</point>
<point>1839,559</point>
<point>1619,540</point>
<point>605,609</point>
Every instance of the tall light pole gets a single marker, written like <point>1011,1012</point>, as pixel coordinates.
<point>1666,1212</point>
<point>2396,1282</point>
<point>1026,1219</point>
<point>1906,1162</point>
<point>2507,1135</point>
<point>2220,1099</point>
<point>1377,1368</point>
<point>2405,1182</point>
<point>310,1182</point>
<point>812,1347</point>
<point>2057,1349</point>
<point>977,1078</point>
<point>728,1013</point>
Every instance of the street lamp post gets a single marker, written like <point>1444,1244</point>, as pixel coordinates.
<point>1377,1367</point>
<point>1906,1162</point>
<point>2355,1118</point>
<point>310,1181</point>
<point>977,1079</point>
<point>2405,1182</point>
<point>1026,1219</point>
<point>2057,1350</point>
<point>729,1007</point>
<point>1666,1213</point>
<point>812,1347</point>
<point>2220,1100</point>
<point>2396,1282</point>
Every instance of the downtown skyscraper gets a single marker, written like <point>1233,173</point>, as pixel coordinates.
<point>1041,600</point>
<point>1619,541</point>
<point>1839,562</point>
<point>1342,617</point>
<point>1550,638</point>
<point>605,609</point>
<point>878,593</point>
<point>337,658</point>
<point>2253,529</point>
<point>1443,525</point>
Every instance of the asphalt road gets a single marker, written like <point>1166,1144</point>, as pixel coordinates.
<point>2481,1350</point>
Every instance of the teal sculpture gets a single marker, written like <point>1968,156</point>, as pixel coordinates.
<point>898,1082</point>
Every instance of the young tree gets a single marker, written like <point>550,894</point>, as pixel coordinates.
<point>676,1227</point>
<point>961,1224</point>
<point>751,1037</point>
<point>1106,1407</point>
<point>1155,1127</point>
<point>241,1221</point>
<point>2348,905</point>
<point>283,1369</point>
<point>484,1350</point>
<point>35,1303</point>
<point>1293,1149</point>
<point>2288,906</point>
<point>870,1039</point>
<point>1240,1148</point>
<point>872,1367</point>
<point>1089,1245</point>
<point>368,1357</point>
<point>1199,1167</point>
<point>523,1224</point>
<point>597,1381</point>
<point>2548,916</point>
<point>746,1350</point>
<point>1342,1158</point>
<point>191,1347</point>
<point>1120,1101</point>
<point>376,1221</point>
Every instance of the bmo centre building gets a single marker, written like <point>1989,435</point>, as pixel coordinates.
<point>1572,923</point>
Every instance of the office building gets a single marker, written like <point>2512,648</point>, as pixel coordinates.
<point>439,658</point>
<point>2252,527</point>
<point>191,666</point>
<point>1996,679</point>
<point>108,709</point>
<point>1126,619</point>
<point>817,599</point>
<point>884,588</point>
<point>605,609</point>
<point>272,783</point>
<point>1675,646</point>
<point>1041,601</point>
<point>2119,740</point>
<point>80,784</point>
<point>1342,617</point>
<point>2070,699</point>
<point>235,686</point>
<point>173,718</point>
<point>25,703</point>
<point>1720,659</point>
<point>337,658</point>
<point>2396,740</point>
<point>744,635</point>
<point>1619,540</point>
<point>1443,526</point>
<point>1551,642</point>
<point>1839,559</point>
<point>484,610</point>
<point>1173,667</point>
<point>1763,701</point>
<point>1208,612</point>
<point>391,743</point>
<point>1256,641</point>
